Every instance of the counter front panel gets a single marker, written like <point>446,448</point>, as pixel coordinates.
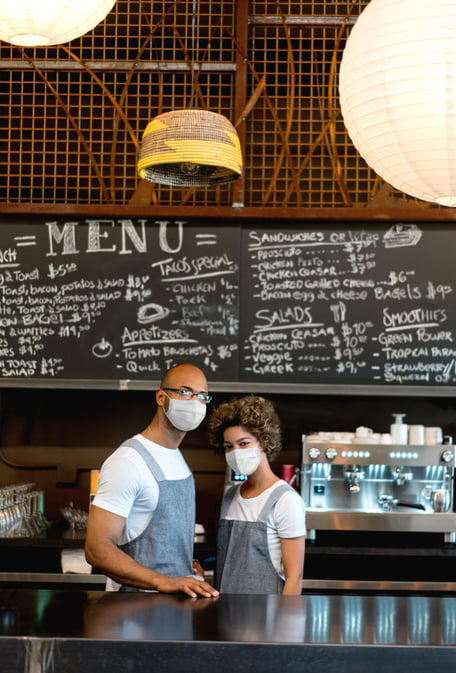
<point>90,631</point>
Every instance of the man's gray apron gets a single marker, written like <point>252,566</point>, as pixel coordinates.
<point>244,565</point>
<point>166,544</point>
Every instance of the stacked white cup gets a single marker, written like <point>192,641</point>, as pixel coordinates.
<point>432,436</point>
<point>416,434</point>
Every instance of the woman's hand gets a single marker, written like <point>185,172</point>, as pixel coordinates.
<point>197,568</point>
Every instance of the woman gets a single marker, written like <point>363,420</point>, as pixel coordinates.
<point>261,538</point>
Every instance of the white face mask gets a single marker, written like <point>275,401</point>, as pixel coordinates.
<point>244,461</point>
<point>185,415</point>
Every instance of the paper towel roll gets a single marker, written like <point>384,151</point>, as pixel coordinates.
<point>73,561</point>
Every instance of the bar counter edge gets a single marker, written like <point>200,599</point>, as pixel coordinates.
<point>49,631</point>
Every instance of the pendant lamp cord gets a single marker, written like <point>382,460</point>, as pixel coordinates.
<point>193,47</point>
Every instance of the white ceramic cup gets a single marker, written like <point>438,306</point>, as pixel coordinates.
<point>363,432</point>
<point>416,434</point>
<point>432,436</point>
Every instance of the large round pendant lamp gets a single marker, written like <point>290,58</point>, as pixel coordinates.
<point>398,94</point>
<point>41,23</point>
<point>190,148</point>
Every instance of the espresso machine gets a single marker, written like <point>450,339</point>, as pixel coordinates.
<point>378,487</point>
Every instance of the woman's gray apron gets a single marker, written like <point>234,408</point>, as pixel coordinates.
<point>244,565</point>
<point>166,544</point>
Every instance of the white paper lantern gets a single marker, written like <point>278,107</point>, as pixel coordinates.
<point>31,23</point>
<point>398,94</point>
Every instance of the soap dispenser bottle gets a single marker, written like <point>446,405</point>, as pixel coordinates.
<point>399,430</point>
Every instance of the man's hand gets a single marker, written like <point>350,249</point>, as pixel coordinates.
<point>188,585</point>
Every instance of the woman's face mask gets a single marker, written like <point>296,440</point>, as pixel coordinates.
<point>184,415</point>
<point>244,461</point>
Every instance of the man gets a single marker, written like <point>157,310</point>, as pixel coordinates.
<point>141,523</point>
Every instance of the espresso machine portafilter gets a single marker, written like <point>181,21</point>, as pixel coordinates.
<point>378,487</point>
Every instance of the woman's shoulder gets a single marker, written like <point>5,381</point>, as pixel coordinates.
<point>290,495</point>
<point>281,483</point>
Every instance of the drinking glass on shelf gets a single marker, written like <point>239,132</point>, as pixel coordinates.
<point>21,513</point>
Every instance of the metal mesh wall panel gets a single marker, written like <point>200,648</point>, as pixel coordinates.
<point>71,117</point>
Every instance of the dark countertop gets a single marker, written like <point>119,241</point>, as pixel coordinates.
<point>59,536</point>
<point>94,632</point>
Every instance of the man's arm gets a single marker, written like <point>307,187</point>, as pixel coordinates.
<point>103,533</point>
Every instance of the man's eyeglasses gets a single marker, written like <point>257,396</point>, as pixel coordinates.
<point>188,394</point>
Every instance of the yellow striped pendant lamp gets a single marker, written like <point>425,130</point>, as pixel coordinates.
<point>190,148</point>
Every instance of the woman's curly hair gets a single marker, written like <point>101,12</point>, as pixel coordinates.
<point>256,414</point>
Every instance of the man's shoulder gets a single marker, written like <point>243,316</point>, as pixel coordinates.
<point>126,451</point>
<point>170,461</point>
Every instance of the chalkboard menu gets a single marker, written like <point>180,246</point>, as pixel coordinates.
<point>364,305</point>
<point>119,300</point>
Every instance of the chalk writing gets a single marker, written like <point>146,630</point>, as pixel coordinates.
<point>348,305</point>
<point>121,299</point>
<point>117,298</point>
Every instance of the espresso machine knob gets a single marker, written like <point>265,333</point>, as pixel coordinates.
<point>331,453</point>
<point>447,456</point>
<point>314,453</point>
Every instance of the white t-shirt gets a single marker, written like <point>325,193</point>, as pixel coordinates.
<point>287,518</point>
<point>127,488</point>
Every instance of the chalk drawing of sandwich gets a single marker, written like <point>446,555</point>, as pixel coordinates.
<point>401,235</point>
